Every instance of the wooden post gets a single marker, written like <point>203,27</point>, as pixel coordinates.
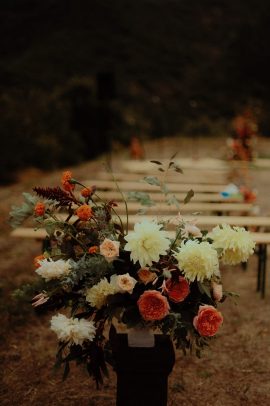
<point>142,373</point>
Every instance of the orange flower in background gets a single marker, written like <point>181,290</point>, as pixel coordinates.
<point>39,209</point>
<point>66,178</point>
<point>84,212</point>
<point>146,276</point>
<point>177,290</point>
<point>153,306</point>
<point>37,260</point>
<point>93,249</point>
<point>208,321</point>
<point>86,192</point>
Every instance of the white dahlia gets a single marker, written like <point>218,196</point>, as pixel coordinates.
<point>236,243</point>
<point>197,260</point>
<point>50,269</point>
<point>147,242</point>
<point>97,295</point>
<point>74,331</point>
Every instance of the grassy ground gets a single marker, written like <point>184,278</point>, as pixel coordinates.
<point>235,371</point>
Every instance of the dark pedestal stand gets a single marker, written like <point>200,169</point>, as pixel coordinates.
<point>142,373</point>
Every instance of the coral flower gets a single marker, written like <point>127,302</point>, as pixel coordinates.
<point>177,290</point>
<point>66,178</point>
<point>93,249</point>
<point>84,212</point>
<point>153,306</point>
<point>37,260</point>
<point>146,276</point>
<point>39,209</point>
<point>208,321</point>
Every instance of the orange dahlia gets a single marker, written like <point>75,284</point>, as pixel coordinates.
<point>84,212</point>
<point>66,178</point>
<point>39,209</point>
<point>93,249</point>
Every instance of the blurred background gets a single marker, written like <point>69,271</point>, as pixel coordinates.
<point>80,78</point>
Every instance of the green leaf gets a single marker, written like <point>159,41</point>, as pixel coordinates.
<point>156,162</point>
<point>152,180</point>
<point>189,196</point>
<point>20,213</point>
<point>172,200</point>
<point>164,189</point>
<point>176,167</point>
<point>143,198</point>
<point>173,156</point>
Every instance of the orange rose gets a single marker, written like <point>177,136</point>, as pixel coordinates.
<point>177,290</point>
<point>109,249</point>
<point>84,212</point>
<point>66,178</point>
<point>39,209</point>
<point>208,321</point>
<point>93,249</point>
<point>146,276</point>
<point>37,260</point>
<point>153,306</point>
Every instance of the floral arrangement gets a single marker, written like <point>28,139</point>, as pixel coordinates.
<point>94,271</point>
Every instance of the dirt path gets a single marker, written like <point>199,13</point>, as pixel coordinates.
<point>235,371</point>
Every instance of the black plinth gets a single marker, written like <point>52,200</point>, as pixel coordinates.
<point>142,373</point>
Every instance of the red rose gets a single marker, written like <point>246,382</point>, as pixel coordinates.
<point>208,321</point>
<point>177,290</point>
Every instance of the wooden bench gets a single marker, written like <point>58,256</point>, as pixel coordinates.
<point>262,239</point>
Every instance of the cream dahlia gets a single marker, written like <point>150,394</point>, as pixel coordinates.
<point>147,242</point>
<point>197,260</point>
<point>97,295</point>
<point>50,269</point>
<point>236,243</point>
<point>74,331</point>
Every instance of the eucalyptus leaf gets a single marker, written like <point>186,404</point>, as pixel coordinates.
<point>20,213</point>
<point>143,198</point>
<point>189,196</point>
<point>152,180</point>
<point>156,162</point>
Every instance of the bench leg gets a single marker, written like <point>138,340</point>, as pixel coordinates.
<point>259,274</point>
<point>263,269</point>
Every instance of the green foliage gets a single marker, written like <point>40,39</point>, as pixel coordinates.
<point>142,197</point>
<point>20,213</point>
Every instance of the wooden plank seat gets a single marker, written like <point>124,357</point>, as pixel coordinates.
<point>191,207</point>
<point>189,176</point>
<point>145,187</point>
<point>159,197</point>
